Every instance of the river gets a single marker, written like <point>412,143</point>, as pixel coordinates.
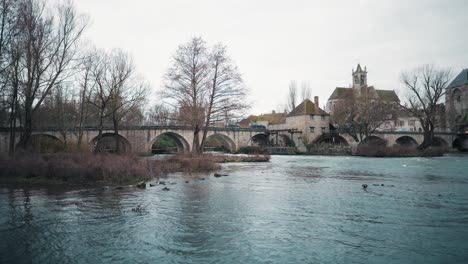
<point>294,209</point>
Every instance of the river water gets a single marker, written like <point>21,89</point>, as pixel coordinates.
<point>294,209</point>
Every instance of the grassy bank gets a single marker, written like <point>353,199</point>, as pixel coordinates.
<point>92,169</point>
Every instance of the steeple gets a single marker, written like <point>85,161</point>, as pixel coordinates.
<point>359,77</point>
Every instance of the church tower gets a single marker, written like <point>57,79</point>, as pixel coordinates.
<point>359,77</point>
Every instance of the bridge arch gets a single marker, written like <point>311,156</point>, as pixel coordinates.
<point>220,142</point>
<point>439,142</point>
<point>181,144</point>
<point>44,143</point>
<point>407,142</point>
<point>373,141</point>
<point>260,140</point>
<point>108,143</point>
<point>332,139</point>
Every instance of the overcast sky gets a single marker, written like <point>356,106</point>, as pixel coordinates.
<point>274,42</point>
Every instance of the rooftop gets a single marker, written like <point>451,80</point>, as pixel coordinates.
<point>306,108</point>
<point>460,80</point>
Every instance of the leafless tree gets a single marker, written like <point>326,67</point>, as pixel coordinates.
<point>306,92</point>
<point>205,85</point>
<point>117,90</point>
<point>160,114</point>
<point>363,113</point>
<point>292,96</point>
<point>86,84</point>
<point>186,85</point>
<point>226,91</point>
<point>48,41</point>
<point>425,89</point>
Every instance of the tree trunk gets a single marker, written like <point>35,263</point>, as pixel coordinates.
<point>116,135</point>
<point>27,129</point>
<point>428,136</point>
<point>196,141</point>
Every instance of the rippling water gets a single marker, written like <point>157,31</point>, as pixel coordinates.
<point>295,209</point>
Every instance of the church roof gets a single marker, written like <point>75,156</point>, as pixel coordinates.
<point>461,79</point>
<point>388,95</point>
<point>306,108</point>
<point>341,93</point>
<point>347,93</point>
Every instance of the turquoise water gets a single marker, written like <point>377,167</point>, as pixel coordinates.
<point>295,209</point>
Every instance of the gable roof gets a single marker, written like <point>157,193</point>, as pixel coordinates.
<point>347,93</point>
<point>272,118</point>
<point>461,79</point>
<point>388,95</point>
<point>306,108</point>
<point>341,93</point>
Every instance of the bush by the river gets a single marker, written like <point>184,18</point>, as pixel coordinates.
<point>398,151</point>
<point>89,168</point>
<point>253,150</point>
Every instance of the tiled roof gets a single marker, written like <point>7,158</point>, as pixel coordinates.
<point>388,95</point>
<point>341,93</point>
<point>347,93</point>
<point>272,118</point>
<point>306,108</point>
<point>461,79</point>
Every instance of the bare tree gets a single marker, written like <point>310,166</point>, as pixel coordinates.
<point>425,88</point>
<point>292,96</point>
<point>159,114</point>
<point>363,113</point>
<point>226,94</point>
<point>127,90</point>
<point>186,85</point>
<point>48,40</point>
<point>86,85</point>
<point>206,87</point>
<point>117,90</point>
<point>306,92</point>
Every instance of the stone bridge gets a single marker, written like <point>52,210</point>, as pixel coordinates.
<point>141,139</point>
<point>407,139</point>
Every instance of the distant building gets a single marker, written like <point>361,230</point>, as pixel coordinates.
<point>360,86</point>
<point>456,98</point>
<point>305,123</point>
<point>272,118</point>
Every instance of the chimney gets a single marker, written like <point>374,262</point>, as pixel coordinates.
<point>316,104</point>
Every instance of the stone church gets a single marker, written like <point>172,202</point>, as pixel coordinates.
<point>456,98</point>
<point>359,86</point>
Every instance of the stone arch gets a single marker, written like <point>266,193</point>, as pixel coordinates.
<point>108,143</point>
<point>373,141</point>
<point>407,141</point>
<point>44,143</point>
<point>439,142</point>
<point>260,140</point>
<point>286,140</point>
<point>181,143</point>
<point>219,142</point>
<point>333,139</point>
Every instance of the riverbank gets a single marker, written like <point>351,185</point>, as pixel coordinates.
<point>105,169</point>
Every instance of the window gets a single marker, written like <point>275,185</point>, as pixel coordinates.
<point>401,123</point>
<point>457,95</point>
<point>323,129</point>
<point>411,123</point>
<point>311,129</point>
<point>323,118</point>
